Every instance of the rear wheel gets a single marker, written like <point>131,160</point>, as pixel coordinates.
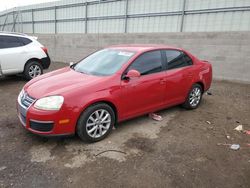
<point>32,70</point>
<point>96,122</point>
<point>194,97</point>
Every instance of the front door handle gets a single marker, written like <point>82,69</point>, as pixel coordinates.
<point>163,81</point>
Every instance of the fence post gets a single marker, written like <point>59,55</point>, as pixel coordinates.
<point>5,21</point>
<point>32,19</point>
<point>86,17</point>
<point>13,18</point>
<point>21,20</point>
<point>55,21</point>
<point>183,15</point>
<point>126,17</point>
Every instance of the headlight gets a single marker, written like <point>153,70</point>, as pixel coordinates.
<point>49,103</point>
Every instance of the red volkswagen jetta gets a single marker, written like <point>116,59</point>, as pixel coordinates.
<point>109,86</point>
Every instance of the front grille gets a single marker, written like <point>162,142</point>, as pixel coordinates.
<point>27,100</point>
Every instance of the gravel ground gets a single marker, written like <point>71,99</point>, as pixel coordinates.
<point>185,149</point>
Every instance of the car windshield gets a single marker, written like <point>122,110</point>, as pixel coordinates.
<point>104,62</point>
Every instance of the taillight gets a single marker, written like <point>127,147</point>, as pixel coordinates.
<point>45,49</point>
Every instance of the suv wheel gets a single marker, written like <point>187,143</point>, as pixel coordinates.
<point>96,122</point>
<point>32,70</point>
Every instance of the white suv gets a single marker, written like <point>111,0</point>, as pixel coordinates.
<point>20,53</point>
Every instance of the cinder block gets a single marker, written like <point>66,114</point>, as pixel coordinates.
<point>229,52</point>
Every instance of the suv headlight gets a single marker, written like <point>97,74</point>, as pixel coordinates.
<point>49,103</point>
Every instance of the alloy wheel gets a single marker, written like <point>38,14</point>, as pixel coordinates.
<point>98,123</point>
<point>34,71</point>
<point>195,96</point>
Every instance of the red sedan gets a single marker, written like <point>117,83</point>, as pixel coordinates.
<point>109,86</point>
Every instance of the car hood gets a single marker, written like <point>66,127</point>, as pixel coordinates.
<point>60,82</point>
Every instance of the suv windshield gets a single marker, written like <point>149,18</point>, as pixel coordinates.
<point>104,62</point>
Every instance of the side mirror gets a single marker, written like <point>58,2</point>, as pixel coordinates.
<point>133,74</point>
<point>71,63</point>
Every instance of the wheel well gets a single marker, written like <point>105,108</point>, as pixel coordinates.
<point>108,103</point>
<point>113,107</point>
<point>32,59</point>
<point>202,85</point>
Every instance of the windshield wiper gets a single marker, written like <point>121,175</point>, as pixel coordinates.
<point>82,72</point>
<point>72,67</point>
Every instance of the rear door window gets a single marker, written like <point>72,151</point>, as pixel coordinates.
<point>10,42</point>
<point>177,59</point>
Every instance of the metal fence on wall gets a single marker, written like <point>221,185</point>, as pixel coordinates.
<point>128,16</point>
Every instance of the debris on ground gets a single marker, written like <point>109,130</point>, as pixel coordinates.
<point>227,135</point>
<point>235,147</point>
<point>70,180</point>
<point>247,132</point>
<point>208,122</point>
<point>223,144</point>
<point>110,150</point>
<point>239,128</point>
<point>209,93</point>
<point>155,116</point>
<point>2,168</point>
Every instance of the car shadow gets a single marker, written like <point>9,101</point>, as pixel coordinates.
<point>120,127</point>
<point>6,80</point>
<point>145,117</point>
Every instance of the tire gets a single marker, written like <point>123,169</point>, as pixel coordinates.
<point>194,97</point>
<point>90,128</point>
<point>32,69</point>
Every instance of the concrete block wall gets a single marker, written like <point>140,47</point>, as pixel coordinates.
<point>229,52</point>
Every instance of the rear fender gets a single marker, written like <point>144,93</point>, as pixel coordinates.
<point>206,75</point>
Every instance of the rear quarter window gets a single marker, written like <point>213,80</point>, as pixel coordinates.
<point>25,41</point>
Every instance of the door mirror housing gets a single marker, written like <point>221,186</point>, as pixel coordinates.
<point>71,63</point>
<point>133,74</point>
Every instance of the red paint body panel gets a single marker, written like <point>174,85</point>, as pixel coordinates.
<point>131,98</point>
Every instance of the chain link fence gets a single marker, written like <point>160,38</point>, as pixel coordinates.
<point>128,16</point>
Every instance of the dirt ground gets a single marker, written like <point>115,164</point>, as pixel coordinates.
<point>180,151</point>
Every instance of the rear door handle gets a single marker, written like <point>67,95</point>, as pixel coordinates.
<point>190,75</point>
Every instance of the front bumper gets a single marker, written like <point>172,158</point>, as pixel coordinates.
<point>45,123</point>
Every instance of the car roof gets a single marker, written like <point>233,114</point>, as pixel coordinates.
<point>142,47</point>
<point>13,34</point>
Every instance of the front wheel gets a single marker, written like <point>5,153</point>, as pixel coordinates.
<point>96,122</point>
<point>194,97</point>
<point>32,70</point>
